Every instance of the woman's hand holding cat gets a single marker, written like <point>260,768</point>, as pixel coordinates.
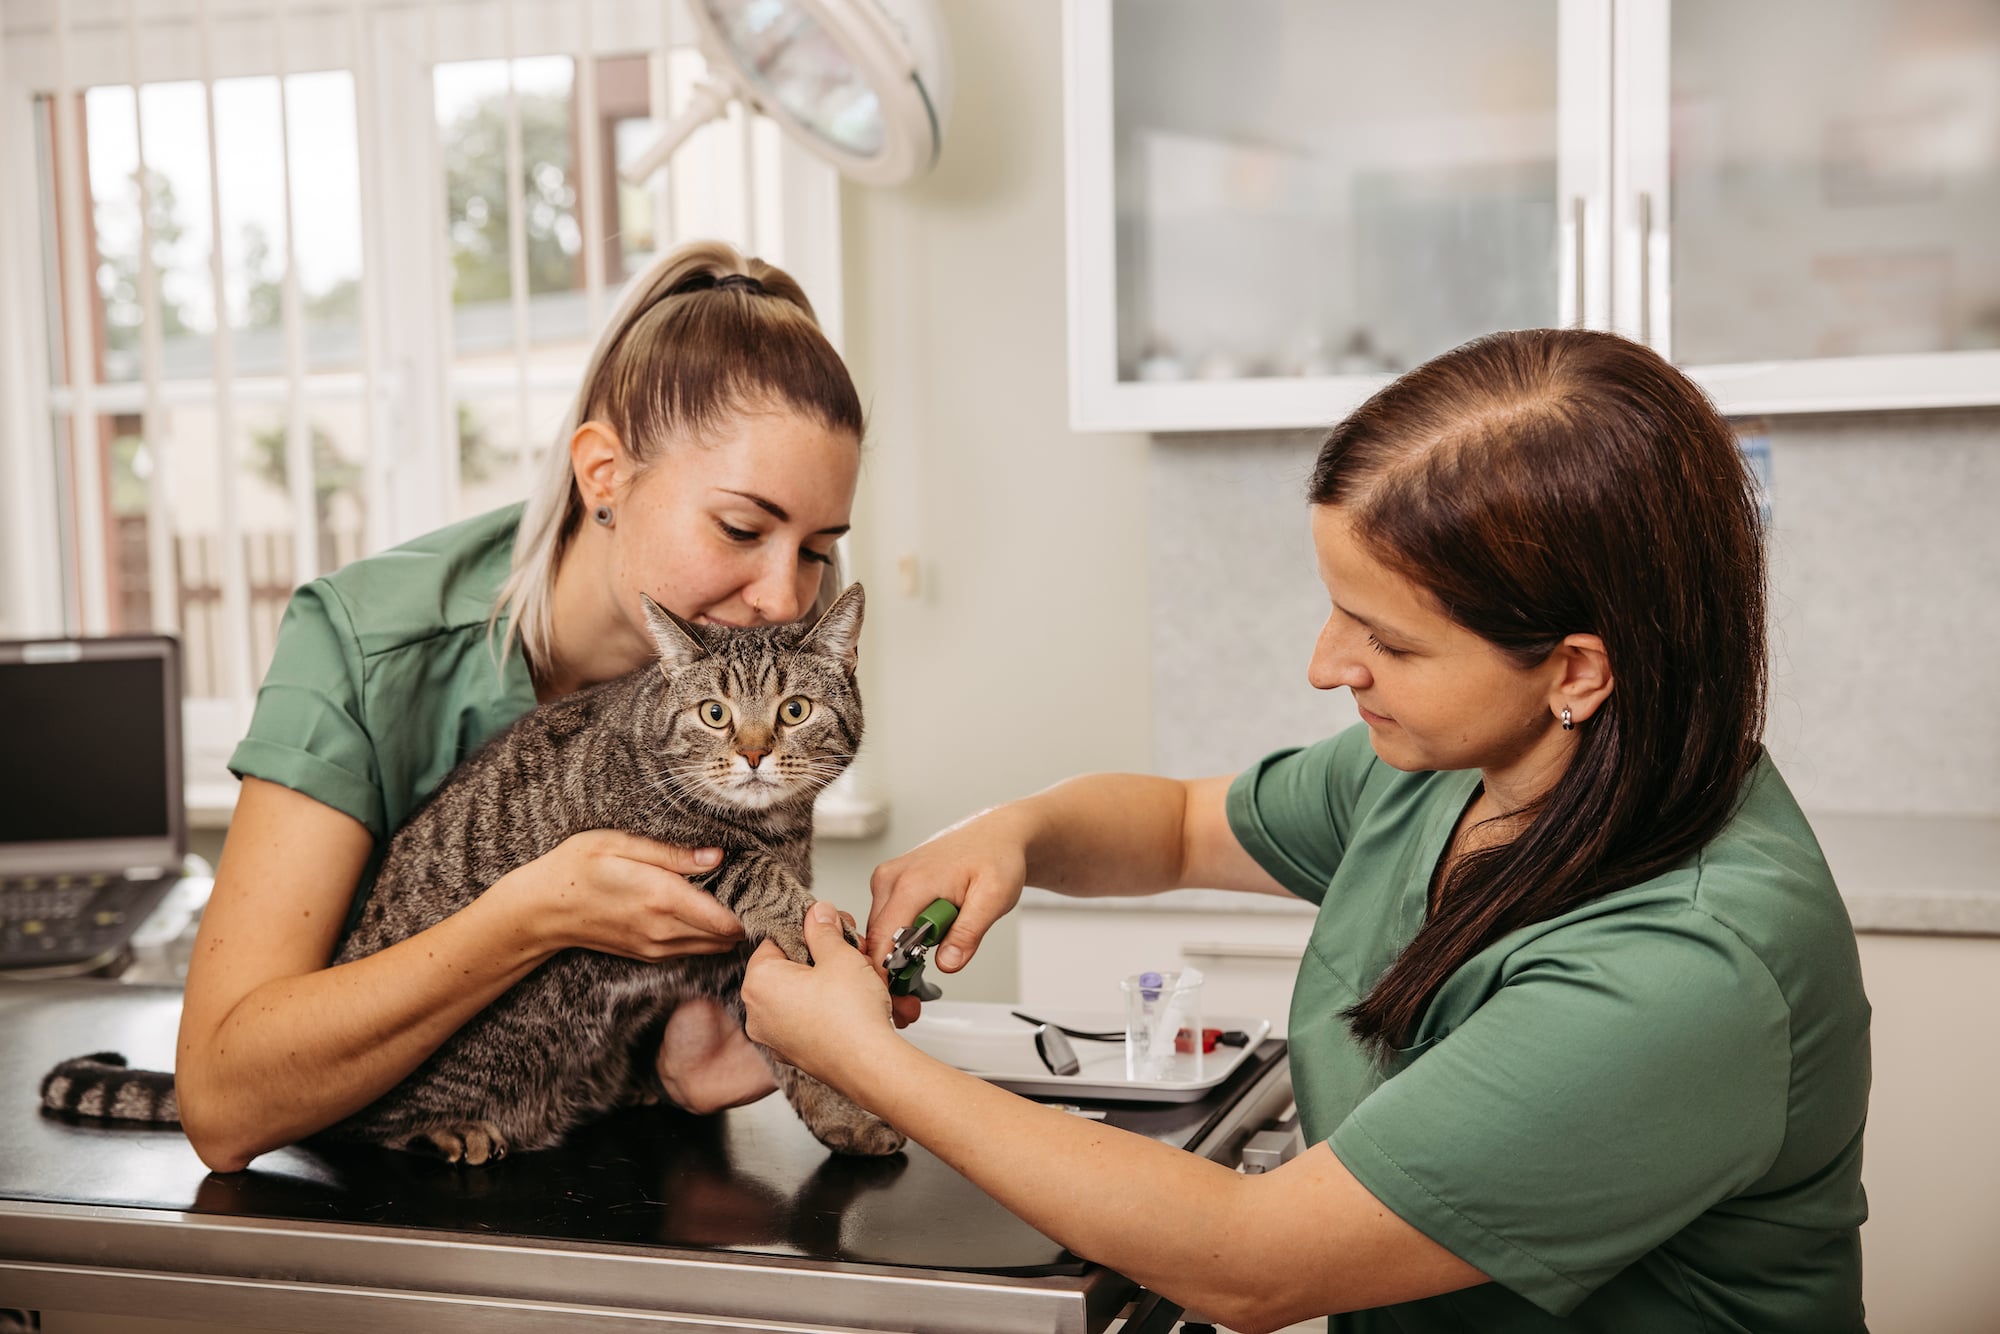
<point>625,895</point>
<point>802,1012</point>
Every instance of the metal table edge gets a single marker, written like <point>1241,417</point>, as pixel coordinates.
<point>136,1260</point>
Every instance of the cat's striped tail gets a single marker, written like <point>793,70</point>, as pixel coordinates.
<point>100,1086</point>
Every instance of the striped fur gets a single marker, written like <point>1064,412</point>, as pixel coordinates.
<point>576,1037</point>
<point>100,1086</point>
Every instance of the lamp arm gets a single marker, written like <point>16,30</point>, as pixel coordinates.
<point>709,98</point>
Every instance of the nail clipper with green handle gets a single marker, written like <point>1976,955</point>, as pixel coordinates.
<point>906,962</point>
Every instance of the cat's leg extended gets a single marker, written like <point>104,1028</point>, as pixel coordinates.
<point>834,1120</point>
<point>772,904</point>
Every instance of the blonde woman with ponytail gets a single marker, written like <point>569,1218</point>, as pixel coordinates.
<point>710,462</point>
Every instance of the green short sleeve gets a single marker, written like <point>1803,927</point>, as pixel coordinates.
<point>1631,1073</point>
<point>1294,810</point>
<point>306,732</point>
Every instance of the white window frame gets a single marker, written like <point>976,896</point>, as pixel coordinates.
<point>52,46</point>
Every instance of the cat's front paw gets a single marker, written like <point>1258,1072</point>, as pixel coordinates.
<point>474,1143</point>
<point>863,1136</point>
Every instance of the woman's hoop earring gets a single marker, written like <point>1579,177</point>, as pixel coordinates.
<point>602,514</point>
<point>1568,726</point>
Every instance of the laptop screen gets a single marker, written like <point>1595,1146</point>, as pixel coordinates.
<point>89,745</point>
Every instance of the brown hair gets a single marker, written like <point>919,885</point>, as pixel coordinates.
<point>1546,482</point>
<point>705,333</point>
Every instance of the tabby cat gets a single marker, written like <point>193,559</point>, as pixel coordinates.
<point>724,742</point>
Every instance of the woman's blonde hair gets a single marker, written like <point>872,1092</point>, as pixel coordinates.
<point>704,334</point>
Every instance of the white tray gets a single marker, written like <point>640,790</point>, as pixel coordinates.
<point>985,1039</point>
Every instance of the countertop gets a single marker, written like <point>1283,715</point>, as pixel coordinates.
<point>741,1214</point>
<point>1903,874</point>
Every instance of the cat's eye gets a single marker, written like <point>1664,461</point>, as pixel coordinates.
<point>713,712</point>
<point>795,710</point>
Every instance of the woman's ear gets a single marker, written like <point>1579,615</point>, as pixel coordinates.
<point>598,459</point>
<point>1584,680</point>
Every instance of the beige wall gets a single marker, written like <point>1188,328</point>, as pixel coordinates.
<point>1023,656</point>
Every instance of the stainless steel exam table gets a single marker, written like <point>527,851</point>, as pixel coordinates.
<point>649,1220</point>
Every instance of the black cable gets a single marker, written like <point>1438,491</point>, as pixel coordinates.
<point>1229,1038</point>
<point>1117,1035</point>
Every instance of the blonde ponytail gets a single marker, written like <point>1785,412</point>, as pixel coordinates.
<point>700,336</point>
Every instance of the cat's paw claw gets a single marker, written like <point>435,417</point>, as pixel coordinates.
<point>474,1143</point>
<point>638,1095</point>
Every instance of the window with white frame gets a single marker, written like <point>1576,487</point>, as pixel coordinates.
<point>298,281</point>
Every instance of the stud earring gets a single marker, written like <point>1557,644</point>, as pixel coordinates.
<point>1568,726</point>
<point>602,514</point>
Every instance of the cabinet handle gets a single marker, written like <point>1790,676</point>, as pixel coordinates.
<point>1577,254</point>
<point>1230,949</point>
<point>1646,267</point>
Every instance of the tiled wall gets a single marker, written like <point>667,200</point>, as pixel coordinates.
<point>1886,601</point>
<point>1886,597</point>
<point>1236,602</point>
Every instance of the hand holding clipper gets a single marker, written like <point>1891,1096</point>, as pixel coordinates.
<point>913,943</point>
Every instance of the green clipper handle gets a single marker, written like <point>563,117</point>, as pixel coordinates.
<point>906,963</point>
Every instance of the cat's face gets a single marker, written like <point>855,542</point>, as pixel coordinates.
<point>757,717</point>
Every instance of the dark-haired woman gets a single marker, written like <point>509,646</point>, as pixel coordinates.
<point>710,462</point>
<point>1579,1041</point>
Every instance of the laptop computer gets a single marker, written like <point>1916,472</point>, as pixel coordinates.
<point>93,829</point>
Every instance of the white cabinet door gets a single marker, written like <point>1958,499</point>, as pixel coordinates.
<point>1073,957</point>
<point>1808,209</point>
<point>1274,205</point>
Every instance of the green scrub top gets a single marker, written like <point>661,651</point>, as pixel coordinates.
<point>1642,1115</point>
<point>385,677</point>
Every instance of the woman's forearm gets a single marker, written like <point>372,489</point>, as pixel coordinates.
<point>1176,1223</point>
<point>1099,835</point>
<point>296,1054</point>
<point>1256,1253</point>
<point>1105,834</point>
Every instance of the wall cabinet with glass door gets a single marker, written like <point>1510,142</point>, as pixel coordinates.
<point>1275,205</point>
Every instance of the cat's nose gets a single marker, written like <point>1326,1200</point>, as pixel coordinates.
<point>752,756</point>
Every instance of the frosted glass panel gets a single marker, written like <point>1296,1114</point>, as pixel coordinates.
<point>1309,187</point>
<point>1836,178</point>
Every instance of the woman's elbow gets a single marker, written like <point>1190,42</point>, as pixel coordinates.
<point>217,1159</point>
<point>219,1153</point>
<point>1253,1303</point>
<point>1246,1314</point>
<point>221,1147</point>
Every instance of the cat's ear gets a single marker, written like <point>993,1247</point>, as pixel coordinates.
<point>838,633</point>
<point>679,642</point>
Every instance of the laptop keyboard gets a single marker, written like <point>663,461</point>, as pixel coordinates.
<point>56,919</point>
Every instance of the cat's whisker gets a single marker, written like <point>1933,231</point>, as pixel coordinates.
<point>680,789</point>
<point>647,790</point>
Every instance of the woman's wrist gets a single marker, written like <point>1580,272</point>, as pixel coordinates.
<point>868,1066</point>
<point>1026,824</point>
<point>1010,823</point>
<point>512,908</point>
